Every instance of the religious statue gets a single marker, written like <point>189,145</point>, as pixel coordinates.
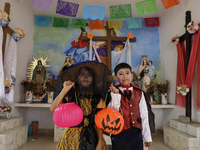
<point>39,75</point>
<point>119,48</point>
<point>79,43</point>
<point>102,49</point>
<point>78,51</point>
<point>68,62</point>
<point>151,70</point>
<point>143,73</point>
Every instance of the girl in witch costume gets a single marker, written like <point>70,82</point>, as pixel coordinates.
<point>91,80</point>
<point>136,111</point>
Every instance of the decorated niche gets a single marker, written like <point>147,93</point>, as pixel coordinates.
<point>37,72</point>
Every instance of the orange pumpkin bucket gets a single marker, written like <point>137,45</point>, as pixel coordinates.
<point>110,121</point>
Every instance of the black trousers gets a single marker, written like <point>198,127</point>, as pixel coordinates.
<point>130,139</point>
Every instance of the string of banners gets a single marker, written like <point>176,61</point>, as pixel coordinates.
<point>132,23</point>
<point>97,12</point>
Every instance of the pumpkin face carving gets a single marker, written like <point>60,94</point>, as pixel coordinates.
<point>110,121</point>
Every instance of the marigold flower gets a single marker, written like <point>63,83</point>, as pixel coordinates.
<point>129,35</point>
<point>90,35</point>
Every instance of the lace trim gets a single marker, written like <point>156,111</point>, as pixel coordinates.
<point>2,94</point>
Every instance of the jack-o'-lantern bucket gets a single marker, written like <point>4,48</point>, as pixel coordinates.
<point>68,115</point>
<point>110,121</point>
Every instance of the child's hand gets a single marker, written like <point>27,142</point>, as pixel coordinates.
<point>67,85</point>
<point>148,144</point>
<point>113,89</point>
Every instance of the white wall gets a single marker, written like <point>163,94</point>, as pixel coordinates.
<point>21,16</point>
<point>172,22</point>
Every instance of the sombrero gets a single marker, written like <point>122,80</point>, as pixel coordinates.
<point>103,76</point>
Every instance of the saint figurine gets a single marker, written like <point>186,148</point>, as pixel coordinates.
<point>39,75</point>
<point>151,70</point>
<point>78,51</point>
<point>66,64</point>
<point>143,73</point>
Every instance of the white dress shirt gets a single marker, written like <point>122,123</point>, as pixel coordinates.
<point>115,105</point>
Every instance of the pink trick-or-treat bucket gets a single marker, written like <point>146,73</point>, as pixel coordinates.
<point>68,115</point>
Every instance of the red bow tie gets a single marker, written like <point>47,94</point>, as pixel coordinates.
<point>127,87</point>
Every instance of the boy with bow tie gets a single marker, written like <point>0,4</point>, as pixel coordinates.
<point>138,118</point>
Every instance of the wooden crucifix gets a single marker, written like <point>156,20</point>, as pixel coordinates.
<point>6,30</point>
<point>109,38</point>
<point>188,38</point>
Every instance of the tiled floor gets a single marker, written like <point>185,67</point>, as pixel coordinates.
<point>45,142</point>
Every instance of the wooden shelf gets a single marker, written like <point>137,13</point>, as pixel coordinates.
<point>162,106</point>
<point>46,105</point>
<point>40,105</point>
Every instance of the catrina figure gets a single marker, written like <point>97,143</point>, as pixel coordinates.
<point>89,82</point>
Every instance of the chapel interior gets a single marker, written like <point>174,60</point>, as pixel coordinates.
<point>45,49</point>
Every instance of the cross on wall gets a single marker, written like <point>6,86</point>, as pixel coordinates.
<point>6,30</point>
<point>109,38</point>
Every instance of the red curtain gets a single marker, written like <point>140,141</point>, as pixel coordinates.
<point>181,69</point>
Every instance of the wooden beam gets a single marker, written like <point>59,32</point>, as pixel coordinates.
<point>100,38</point>
<point>188,51</point>
<point>6,30</point>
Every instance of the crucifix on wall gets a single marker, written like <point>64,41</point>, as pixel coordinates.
<point>188,40</point>
<point>109,38</point>
<point>6,30</point>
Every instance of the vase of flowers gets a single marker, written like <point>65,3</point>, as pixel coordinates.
<point>150,91</point>
<point>164,98</point>
<point>5,110</point>
<point>163,88</point>
<point>50,89</point>
<point>29,87</point>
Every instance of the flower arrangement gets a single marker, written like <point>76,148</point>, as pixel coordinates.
<point>182,89</point>
<point>28,85</point>
<point>163,87</point>
<point>4,18</point>
<point>18,34</point>
<point>129,35</point>
<point>150,90</point>
<point>192,27</point>
<point>151,87</point>
<point>5,108</point>
<point>1,15</point>
<point>50,85</point>
<point>175,39</point>
<point>90,35</point>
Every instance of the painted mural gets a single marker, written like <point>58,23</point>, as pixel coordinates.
<point>55,43</point>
